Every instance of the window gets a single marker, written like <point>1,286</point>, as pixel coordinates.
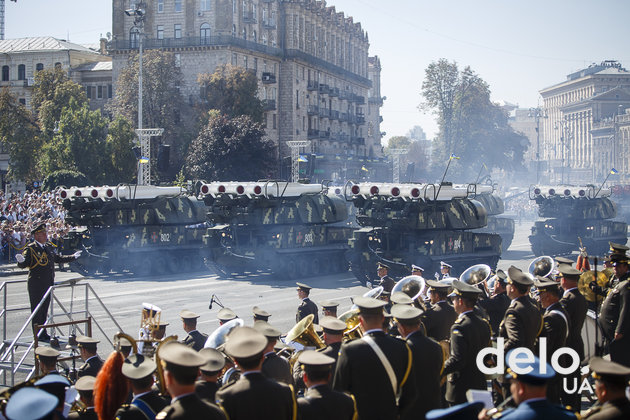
<point>204,33</point>
<point>178,60</point>
<point>160,6</point>
<point>274,121</point>
<point>245,62</point>
<point>254,37</point>
<point>178,30</point>
<point>109,91</point>
<point>264,38</point>
<point>21,72</point>
<point>160,32</point>
<point>99,92</point>
<point>205,5</point>
<point>22,101</point>
<point>234,10</point>
<point>39,67</point>
<point>88,92</point>
<point>234,59</point>
<point>234,31</point>
<point>255,63</point>
<point>297,99</point>
<point>5,73</point>
<point>244,33</point>
<point>178,5</point>
<point>134,38</point>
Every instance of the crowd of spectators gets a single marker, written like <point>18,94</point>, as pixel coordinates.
<point>522,207</point>
<point>20,213</point>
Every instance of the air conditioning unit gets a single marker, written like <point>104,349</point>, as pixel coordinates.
<point>199,14</point>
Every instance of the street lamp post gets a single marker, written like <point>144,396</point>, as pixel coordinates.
<point>537,113</point>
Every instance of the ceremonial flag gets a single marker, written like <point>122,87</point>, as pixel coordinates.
<point>363,168</point>
<point>453,156</point>
<point>613,171</point>
<point>302,158</point>
<point>144,159</point>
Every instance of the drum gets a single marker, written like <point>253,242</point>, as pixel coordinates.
<point>592,335</point>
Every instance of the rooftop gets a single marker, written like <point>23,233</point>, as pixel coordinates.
<point>41,43</point>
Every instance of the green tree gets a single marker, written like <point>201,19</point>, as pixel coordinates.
<point>65,178</point>
<point>231,149</point>
<point>397,142</point>
<point>120,141</point>
<point>19,135</point>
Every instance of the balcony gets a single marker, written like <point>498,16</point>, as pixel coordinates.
<point>334,115</point>
<point>343,137</point>
<point>312,110</point>
<point>269,23</point>
<point>334,92</point>
<point>344,95</point>
<point>343,116</point>
<point>313,134</point>
<point>312,85</point>
<point>268,77</point>
<point>324,89</point>
<point>248,17</point>
<point>324,112</point>
<point>269,104</point>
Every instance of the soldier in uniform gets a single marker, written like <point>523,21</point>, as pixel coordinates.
<point>55,385</point>
<point>146,402</point>
<point>383,279</point>
<point>88,351</point>
<point>307,306</point>
<point>329,308</point>
<point>85,386</point>
<point>428,360</point>
<point>274,367</point>
<point>555,327</point>
<point>30,403</point>
<point>469,335</point>
<point>440,316</point>
<point>522,321</point>
<point>260,314</point>
<point>181,367</point>
<point>40,258</point>
<point>159,333</point>
<point>575,305</point>
<point>253,396</point>
<point>47,358</point>
<point>194,339</point>
<point>445,270</point>
<point>225,315</point>
<point>207,387</point>
<point>496,305</point>
<point>416,270</point>
<point>320,401</point>
<point>615,313</point>
<point>364,367</point>
<point>611,380</point>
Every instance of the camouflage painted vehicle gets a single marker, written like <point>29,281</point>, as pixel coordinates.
<point>621,194</point>
<point>141,230</point>
<point>422,224</point>
<point>295,230</point>
<point>501,225</point>
<point>571,214</point>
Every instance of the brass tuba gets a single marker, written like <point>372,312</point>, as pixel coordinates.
<point>541,266</point>
<point>353,327</point>
<point>411,284</point>
<point>475,274</point>
<point>160,369</point>
<point>587,277</point>
<point>219,336</point>
<point>304,333</point>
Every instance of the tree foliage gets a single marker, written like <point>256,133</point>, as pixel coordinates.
<point>471,126</point>
<point>233,91</point>
<point>120,141</point>
<point>231,148</point>
<point>66,178</point>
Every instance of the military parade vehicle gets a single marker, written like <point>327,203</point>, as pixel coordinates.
<point>295,230</point>
<point>135,229</point>
<point>621,194</point>
<point>495,207</point>
<point>571,214</point>
<point>420,224</point>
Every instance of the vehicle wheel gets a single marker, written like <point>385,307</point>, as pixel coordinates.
<point>316,267</point>
<point>158,266</point>
<point>292,269</point>
<point>304,266</point>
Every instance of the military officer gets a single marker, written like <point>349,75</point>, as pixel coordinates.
<point>85,386</point>
<point>611,380</point>
<point>464,411</point>
<point>40,258</point>
<point>383,279</point>
<point>615,313</point>
<point>253,396</point>
<point>159,333</point>
<point>617,251</point>
<point>562,260</point>
<point>329,308</point>
<point>555,327</point>
<point>522,321</point>
<point>225,315</point>
<point>377,368</point>
<point>445,270</point>
<point>416,270</point>
<point>194,339</point>
<point>320,401</point>
<point>260,314</point>
<point>401,298</point>
<point>30,403</point>
<point>47,358</point>
<point>307,306</point>
<point>88,351</point>
<point>146,402</point>
<point>469,335</point>
<point>496,305</point>
<point>333,337</point>
<point>427,356</point>
<point>207,387</point>
<point>181,367</point>
<point>274,367</point>
<point>440,316</point>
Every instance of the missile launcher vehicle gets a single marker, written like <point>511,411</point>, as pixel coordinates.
<point>573,214</point>
<point>422,224</point>
<point>494,205</point>
<point>294,230</point>
<point>135,229</point>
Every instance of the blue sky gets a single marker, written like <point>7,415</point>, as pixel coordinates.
<point>518,47</point>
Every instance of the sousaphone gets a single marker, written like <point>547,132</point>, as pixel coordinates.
<point>475,274</point>
<point>413,286</point>
<point>541,266</point>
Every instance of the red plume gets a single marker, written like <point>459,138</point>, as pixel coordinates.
<point>110,387</point>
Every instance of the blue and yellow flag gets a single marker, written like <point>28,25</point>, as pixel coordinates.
<point>363,168</point>
<point>453,156</point>
<point>613,171</point>
<point>144,159</point>
<point>302,158</point>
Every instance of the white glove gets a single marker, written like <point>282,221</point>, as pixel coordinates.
<point>368,284</point>
<point>77,254</point>
<point>20,258</point>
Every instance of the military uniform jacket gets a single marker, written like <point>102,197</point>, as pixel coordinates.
<point>151,400</point>
<point>195,340</point>
<point>575,305</point>
<point>610,410</point>
<point>254,397</point>
<point>189,406</point>
<point>322,403</point>
<point>41,264</point>
<point>538,409</point>
<point>91,367</point>
<point>306,308</point>
<point>521,325</point>
<point>206,390</point>
<point>496,306</point>
<point>277,368</point>
<point>427,366</point>
<point>438,320</point>
<point>615,312</point>
<point>555,328</point>
<point>387,282</point>
<point>332,350</point>
<point>361,373</point>
<point>469,334</point>
<point>85,414</point>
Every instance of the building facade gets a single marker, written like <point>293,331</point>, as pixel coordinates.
<point>315,76</point>
<point>574,108</point>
